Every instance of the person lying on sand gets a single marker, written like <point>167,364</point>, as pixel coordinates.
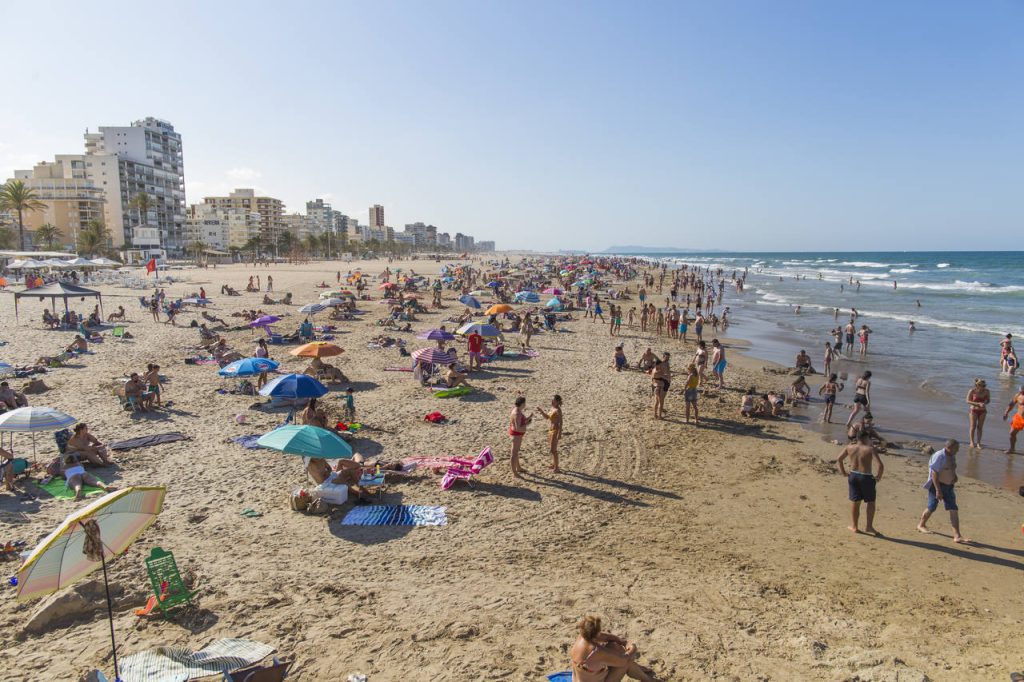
<point>87,446</point>
<point>213,318</point>
<point>75,478</point>
<point>601,656</point>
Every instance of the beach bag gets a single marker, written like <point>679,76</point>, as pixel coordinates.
<point>299,500</point>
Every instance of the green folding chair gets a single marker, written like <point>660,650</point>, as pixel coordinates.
<point>118,332</point>
<point>168,588</point>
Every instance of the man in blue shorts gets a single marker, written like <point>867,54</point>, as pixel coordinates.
<point>941,479</point>
<point>862,454</point>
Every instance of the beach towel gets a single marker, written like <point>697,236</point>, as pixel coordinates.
<point>201,361</point>
<point>248,442</point>
<point>560,677</point>
<point>178,664</point>
<point>146,441</point>
<point>396,515</point>
<point>398,369</point>
<point>452,392</point>
<point>410,463</point>
<point>59,489</point>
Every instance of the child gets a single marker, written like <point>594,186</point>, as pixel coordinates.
<point>829,390</point>
<point>620,359</point>
<point>350,405</point>
<point>690,392</point>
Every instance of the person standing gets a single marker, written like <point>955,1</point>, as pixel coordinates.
<point>861,483</point>
<point>476,346</point>
<point>941,479</point>
<point>718,362</point>
<point>270,283</point>
<point>829,357</point>
<point>1018,419</point>
<point>554,418</point>
<point>690,393</point>
<point>517,423</point>
<point>978,398</point>
<point>850,331</point>
<point>861,396</point>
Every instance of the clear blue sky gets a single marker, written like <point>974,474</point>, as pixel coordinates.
<point>754,125</point>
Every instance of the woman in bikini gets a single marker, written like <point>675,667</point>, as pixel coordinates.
<point>861,396</point>
<point>978,398</point>
<point>661,379</point>
<point>313,416</point>
<point>602,657</point>
<point>517,423</point>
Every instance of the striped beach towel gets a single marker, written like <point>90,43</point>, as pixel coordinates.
<point>178,664</point>
<point>396,515</point>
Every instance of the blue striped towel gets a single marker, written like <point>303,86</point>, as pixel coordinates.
<point>396,515</point>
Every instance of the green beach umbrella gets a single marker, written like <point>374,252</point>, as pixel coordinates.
<point>306,441</point>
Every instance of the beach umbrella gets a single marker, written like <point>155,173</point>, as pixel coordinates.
<point>317,349</point>
<point>494,284</point>
<point>6,369</point>
<point>447,280</point>
<point>469,301</point>
<point>247,367</point>
<point>32,419</point>
<point>331,302</point>
<point>104,262</point>
<point>86,540</point>
<point>306,441</point>
<point>294,386</point>
<point>553,291</point>
<point>265,321</point>
<point>478,292</point>
<point>527,296</point>
<point>387,285</point>
<point>433,356</point>
<point>436,335</point>
<point>330,294</point>
<point>313,308</point>
<point>554,304</point>
<point>80,262</point>
<point>498,309</point>
<point>486,330</point>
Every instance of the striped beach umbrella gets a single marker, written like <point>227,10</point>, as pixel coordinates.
<point>86,540</point>
<point>433,356</point>
<point>35,418</point>
<point>313,308</point>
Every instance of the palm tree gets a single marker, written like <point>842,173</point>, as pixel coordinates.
<point>143,203</point>
<point>312,244</point>
<point>254,246</point>
<point>198,247</point>
<point>6,238</point>
<point>47,234</point>
<point>16,196</point>
<point>93,239</point>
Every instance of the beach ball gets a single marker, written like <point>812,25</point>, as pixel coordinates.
<point>239,418</point>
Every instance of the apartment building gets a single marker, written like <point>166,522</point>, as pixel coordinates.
<point>71,200</point>
<point>245,202</point>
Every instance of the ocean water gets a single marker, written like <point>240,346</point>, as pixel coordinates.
<point>962,304</point>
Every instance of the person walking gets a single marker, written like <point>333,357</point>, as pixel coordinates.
<point>941,479</point>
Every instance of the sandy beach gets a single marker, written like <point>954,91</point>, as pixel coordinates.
<point>721,550</point>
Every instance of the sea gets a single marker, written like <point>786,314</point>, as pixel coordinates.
<point>961,304</point>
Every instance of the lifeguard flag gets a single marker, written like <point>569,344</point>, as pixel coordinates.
<point>151,266</point>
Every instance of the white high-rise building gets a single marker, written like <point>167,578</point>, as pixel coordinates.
<point>204,224</point>
<point>148,158</point>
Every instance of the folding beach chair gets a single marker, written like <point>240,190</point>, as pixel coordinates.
<point>168,587</point>
<point>272,673</point>
<point>118,332</point>
<point>464,470</point>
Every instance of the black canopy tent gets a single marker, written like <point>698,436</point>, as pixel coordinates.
<point>56,290</point>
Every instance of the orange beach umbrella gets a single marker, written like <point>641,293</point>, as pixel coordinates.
<point>317,349</point>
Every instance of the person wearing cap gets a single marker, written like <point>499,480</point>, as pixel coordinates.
<point>978,398</point>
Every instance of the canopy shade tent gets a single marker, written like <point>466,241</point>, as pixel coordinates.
<point>56,290</point>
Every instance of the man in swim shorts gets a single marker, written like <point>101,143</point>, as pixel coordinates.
<point>476,344</point>
<point>941,478</point>
<point>1018,419</point>
<point>718,362</point>
<point>861,483</point>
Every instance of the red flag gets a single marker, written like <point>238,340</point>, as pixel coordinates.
<point>151,266</point>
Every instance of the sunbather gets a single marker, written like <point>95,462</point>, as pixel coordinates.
<point>75,478</point>
<point>602,657</point>
<point>453,377</point>
<point>345,472</point>
<point>118,316</point>
<point>79,345</point>
<point>318,367</point>
<point>11,399</point>
<point>87,446</point>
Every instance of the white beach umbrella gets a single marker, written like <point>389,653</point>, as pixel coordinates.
<point>32,419</point>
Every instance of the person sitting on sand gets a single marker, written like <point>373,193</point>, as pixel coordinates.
<point>800,390</point>
<point>602,657</point>
<point>345,472</point>
<point>75,478</point>
<point>118,316</point>
<point>865,425</point>
<point>313,415</point>
<point>803,362</point>
<point>747,401</point>
<point>87,446</point>
<point>776,404</point>
<point>11,399</point>
<point>647,360</point>
<point>619,359</point>
<point>135,391</point>
<point>453,377</point>
<point>79,345</point>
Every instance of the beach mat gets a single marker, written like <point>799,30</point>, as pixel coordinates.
<point>178,664</point>
<point>146,441</point>
<point>396,515</point>
<point>560,677</point>
<point>59,489</point>
<point>248,442</point>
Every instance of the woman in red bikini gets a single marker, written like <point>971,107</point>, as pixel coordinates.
<point>517,423</point>
<point>602,657</point>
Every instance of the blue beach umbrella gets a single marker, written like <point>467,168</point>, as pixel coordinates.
<point>436,335</point>
<point>248,367</point>
<point>486,330</point>
<point>294,386</point>
<point>494,284</point>
<point>527,296</point>
<point>469,301</point>
<point>554,304</point>
<point>306,441</point>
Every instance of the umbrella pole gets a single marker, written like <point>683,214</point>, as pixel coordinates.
<point>110,617</point>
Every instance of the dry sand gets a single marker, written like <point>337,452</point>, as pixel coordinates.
<point>721,550</point>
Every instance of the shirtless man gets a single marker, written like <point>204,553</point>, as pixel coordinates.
<point>135,389</point>
<point>860,481</point>
<point>850,331</point>
<point>1018,419</point>
<point>941,478</point>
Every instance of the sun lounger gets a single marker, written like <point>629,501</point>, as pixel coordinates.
<point>464,470</point>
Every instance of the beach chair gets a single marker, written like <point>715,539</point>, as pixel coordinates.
<point>168,587</point>
<point>118,332</point>
<point>275,672</point>
<point>62,437</point>
<point>464,470</point>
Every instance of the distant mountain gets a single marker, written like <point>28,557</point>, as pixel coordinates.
<point>657,249</point>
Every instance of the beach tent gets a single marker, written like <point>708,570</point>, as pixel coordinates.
<point>56,290</point>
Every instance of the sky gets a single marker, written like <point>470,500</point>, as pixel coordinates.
<point>560,125</point>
